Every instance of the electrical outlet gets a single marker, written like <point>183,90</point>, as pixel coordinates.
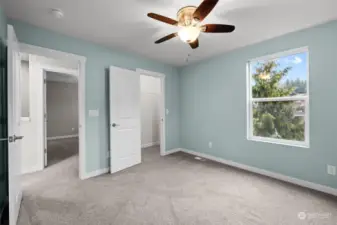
<point>331,170</point>
<point>210,144</point>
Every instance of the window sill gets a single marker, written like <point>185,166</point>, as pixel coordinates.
<point>280,142</point>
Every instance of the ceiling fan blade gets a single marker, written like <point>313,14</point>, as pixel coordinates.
<point>163,19</point>
<point>217,28</point>
<point>166,38</point>
<point>204,9</point>
<point>194,44</point>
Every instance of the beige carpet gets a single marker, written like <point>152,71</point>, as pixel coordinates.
<point>172,190</point>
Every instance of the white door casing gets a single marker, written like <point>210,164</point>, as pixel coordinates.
<point>81,65</point>
<point>45,118</point>
<point>125,132</point>
<point>14,120</point>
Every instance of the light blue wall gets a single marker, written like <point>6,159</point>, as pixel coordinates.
<point>98,60</point>
<point>213,108</point>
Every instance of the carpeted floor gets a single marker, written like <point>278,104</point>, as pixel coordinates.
<point>173,190</point>
<point>59,150</point>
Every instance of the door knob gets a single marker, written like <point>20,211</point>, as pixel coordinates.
<point>11,138</point>
<point>17,137</point>
<point>115,125</point>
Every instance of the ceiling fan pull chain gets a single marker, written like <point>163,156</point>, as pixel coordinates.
<point>187,58</point>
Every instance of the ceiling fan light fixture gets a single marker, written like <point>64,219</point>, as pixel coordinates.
<point>188,20</point>
<point>189,34</point>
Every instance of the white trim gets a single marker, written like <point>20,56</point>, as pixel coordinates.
<point>280,99</point>
<point>250,100</point>
<point>50,53</point>
<point>150,73</point>
<point>59,69</point>
<point>307,104</point>
<point>273,56</point>
<point>292,180</point>
<point>249,112</point>
<point>169,152</point>
<point>62,137</point>
<point>45,141</point>
<point>34,169</point>
<point>150,144</point>
<point>162,106</point>
<point>96,173</point>
<point>300,144</point>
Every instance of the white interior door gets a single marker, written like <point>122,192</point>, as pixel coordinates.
<point>14,116</point>
<point>125,136</point>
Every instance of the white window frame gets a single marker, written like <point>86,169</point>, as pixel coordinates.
<point>250,100</point>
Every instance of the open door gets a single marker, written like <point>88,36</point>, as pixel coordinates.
<point>125,136</point>
<point>14,116</point>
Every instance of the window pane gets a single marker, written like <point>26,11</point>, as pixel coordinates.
<point>24,86</point>
<point>281,77</point>
<point>281,120</point>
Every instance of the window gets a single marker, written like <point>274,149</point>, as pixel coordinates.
<point>278,98</point>
<point>24,88</point>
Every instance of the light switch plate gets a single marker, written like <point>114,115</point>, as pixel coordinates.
<point>210,144</point>
<point>93,113</point>
<point>331,170</point>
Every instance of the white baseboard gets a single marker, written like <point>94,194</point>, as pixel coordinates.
<point>150,144</point>
<point>33,169</point>
<point>171,151</point>
<point>95,173</point>
<point>62,137</point>
<point>307,184</point>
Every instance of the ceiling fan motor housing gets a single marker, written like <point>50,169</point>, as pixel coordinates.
<point>185,16</point>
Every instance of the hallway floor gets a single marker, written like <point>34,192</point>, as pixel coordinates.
<point>173,190</point>
<point>59,150</point>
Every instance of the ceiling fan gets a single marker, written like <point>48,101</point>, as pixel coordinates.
<point>189,19</point>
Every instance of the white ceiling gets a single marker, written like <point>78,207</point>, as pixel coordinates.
<point>123,24</point>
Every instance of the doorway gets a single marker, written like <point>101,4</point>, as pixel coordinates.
<point>152,110</point>
<point>61,118</point>
<point>150,101</point>
<point>46,66</point>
